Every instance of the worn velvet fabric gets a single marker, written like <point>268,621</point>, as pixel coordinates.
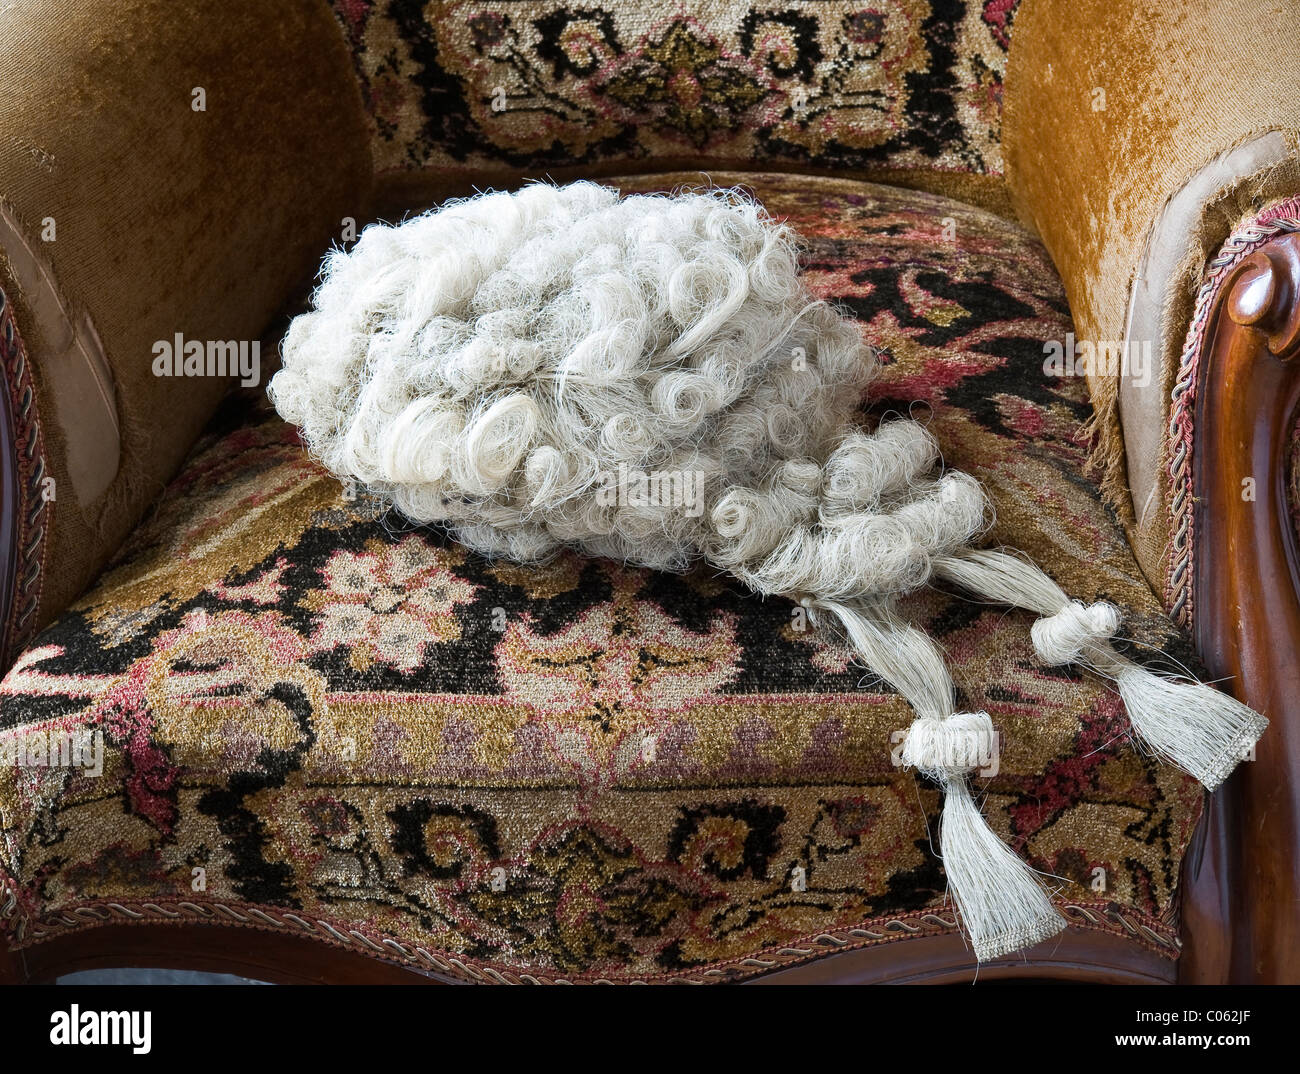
<point>1110,109</point>
<point>320,719</point>
<point>147,217</point>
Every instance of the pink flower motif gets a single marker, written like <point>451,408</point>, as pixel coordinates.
<point>389,603</point>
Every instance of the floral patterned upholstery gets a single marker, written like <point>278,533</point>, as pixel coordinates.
<point>322,720</point>
<point>450,85</point>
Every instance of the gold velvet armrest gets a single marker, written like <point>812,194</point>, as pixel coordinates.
<point>1156,148</point>
<point>1136,138</point>
<point>165,170</point>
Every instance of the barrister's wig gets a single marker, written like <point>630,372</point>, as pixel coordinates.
<point>648,378</point>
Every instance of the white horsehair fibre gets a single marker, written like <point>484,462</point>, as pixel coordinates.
<point>508,365</point>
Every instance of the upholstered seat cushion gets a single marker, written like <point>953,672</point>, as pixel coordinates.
<point>321,719</point>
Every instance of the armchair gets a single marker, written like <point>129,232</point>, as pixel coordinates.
<point>337,748</point>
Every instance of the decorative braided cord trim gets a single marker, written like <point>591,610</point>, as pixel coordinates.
<point>33,510</point>
<point>1280,218</point>
<point>1099,916</point>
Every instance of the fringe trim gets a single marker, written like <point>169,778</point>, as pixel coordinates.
<point>1103,434</point>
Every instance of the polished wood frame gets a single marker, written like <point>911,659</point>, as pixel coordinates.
<point>1241,883</point>
<point>1241,900</point>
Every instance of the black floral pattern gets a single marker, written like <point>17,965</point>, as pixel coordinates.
<point>535,83</point>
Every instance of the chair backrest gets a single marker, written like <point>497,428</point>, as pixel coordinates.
<point>564,87</point>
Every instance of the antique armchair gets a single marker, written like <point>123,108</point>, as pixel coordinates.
<point>322,744</point>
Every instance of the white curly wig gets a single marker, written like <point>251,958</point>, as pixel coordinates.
<point>648,378</point>
<point>494,366</point>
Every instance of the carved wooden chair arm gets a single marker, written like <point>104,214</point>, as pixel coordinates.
<point>1241,900</point>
